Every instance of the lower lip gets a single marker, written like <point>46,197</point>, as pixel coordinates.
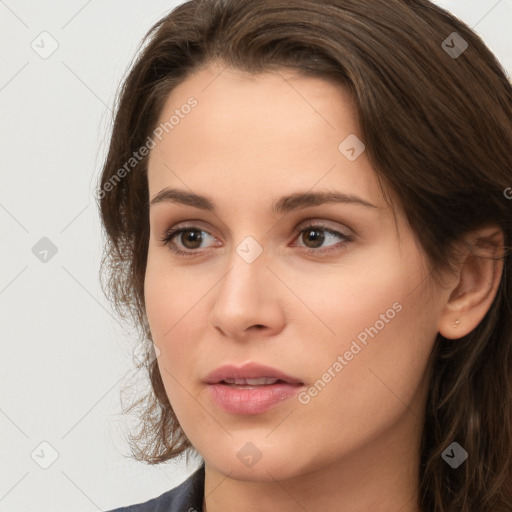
<point>251,400</point>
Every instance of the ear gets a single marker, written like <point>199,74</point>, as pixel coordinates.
<point>473,288</point>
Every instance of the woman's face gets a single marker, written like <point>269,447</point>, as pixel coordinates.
<point>332,293</point>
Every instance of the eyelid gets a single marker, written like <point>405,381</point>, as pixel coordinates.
<point>179,228</point>
<point>327,225</point>
<point>347,238</point>
<point>196,224</point>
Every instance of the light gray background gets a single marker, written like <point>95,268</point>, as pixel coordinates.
<point>64,357</point>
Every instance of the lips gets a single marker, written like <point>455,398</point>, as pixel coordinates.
<point>249,374</point>
<point>250,389</point>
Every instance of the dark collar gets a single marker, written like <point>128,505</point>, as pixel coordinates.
<point>193,491</point>
<point>186,497</point>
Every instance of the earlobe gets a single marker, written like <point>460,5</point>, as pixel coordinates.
<point>478,280</point>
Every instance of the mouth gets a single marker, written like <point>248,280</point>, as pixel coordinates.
<point>252,383</point>
<point>250,374</point>
<point>250,389</point>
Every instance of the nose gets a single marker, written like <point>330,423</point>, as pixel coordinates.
<point>247,301</point>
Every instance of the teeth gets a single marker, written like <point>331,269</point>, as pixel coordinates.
<point>262,381</point>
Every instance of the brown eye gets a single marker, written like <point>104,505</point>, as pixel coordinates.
<point>317,239</point>
<point>191,238</point>
<point>313,237</point>
<point>186,240</point>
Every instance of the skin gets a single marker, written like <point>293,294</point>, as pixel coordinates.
<point>355,446</point>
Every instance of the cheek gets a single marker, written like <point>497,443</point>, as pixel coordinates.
<point>171,294</point>
<point>384,332</point>
<point>169,300</point>
<point>176,301</point>
<point>165,298</point>
<point>351,296</point>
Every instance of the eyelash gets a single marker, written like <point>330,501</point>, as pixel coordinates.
<point>173,232</point>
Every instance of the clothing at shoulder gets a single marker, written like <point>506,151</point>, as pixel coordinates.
<point>186,497</point>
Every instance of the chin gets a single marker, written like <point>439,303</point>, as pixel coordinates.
<point>271,463</point>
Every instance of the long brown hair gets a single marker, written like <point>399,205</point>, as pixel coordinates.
<point>435,113</point>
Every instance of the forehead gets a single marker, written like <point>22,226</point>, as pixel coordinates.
<point>266,132</point>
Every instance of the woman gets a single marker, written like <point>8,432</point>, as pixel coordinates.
<point>307,208</point>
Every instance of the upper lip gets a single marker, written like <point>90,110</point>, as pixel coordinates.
<point>248,371</point>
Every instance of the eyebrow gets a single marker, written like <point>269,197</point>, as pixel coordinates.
<point>284,204</point>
